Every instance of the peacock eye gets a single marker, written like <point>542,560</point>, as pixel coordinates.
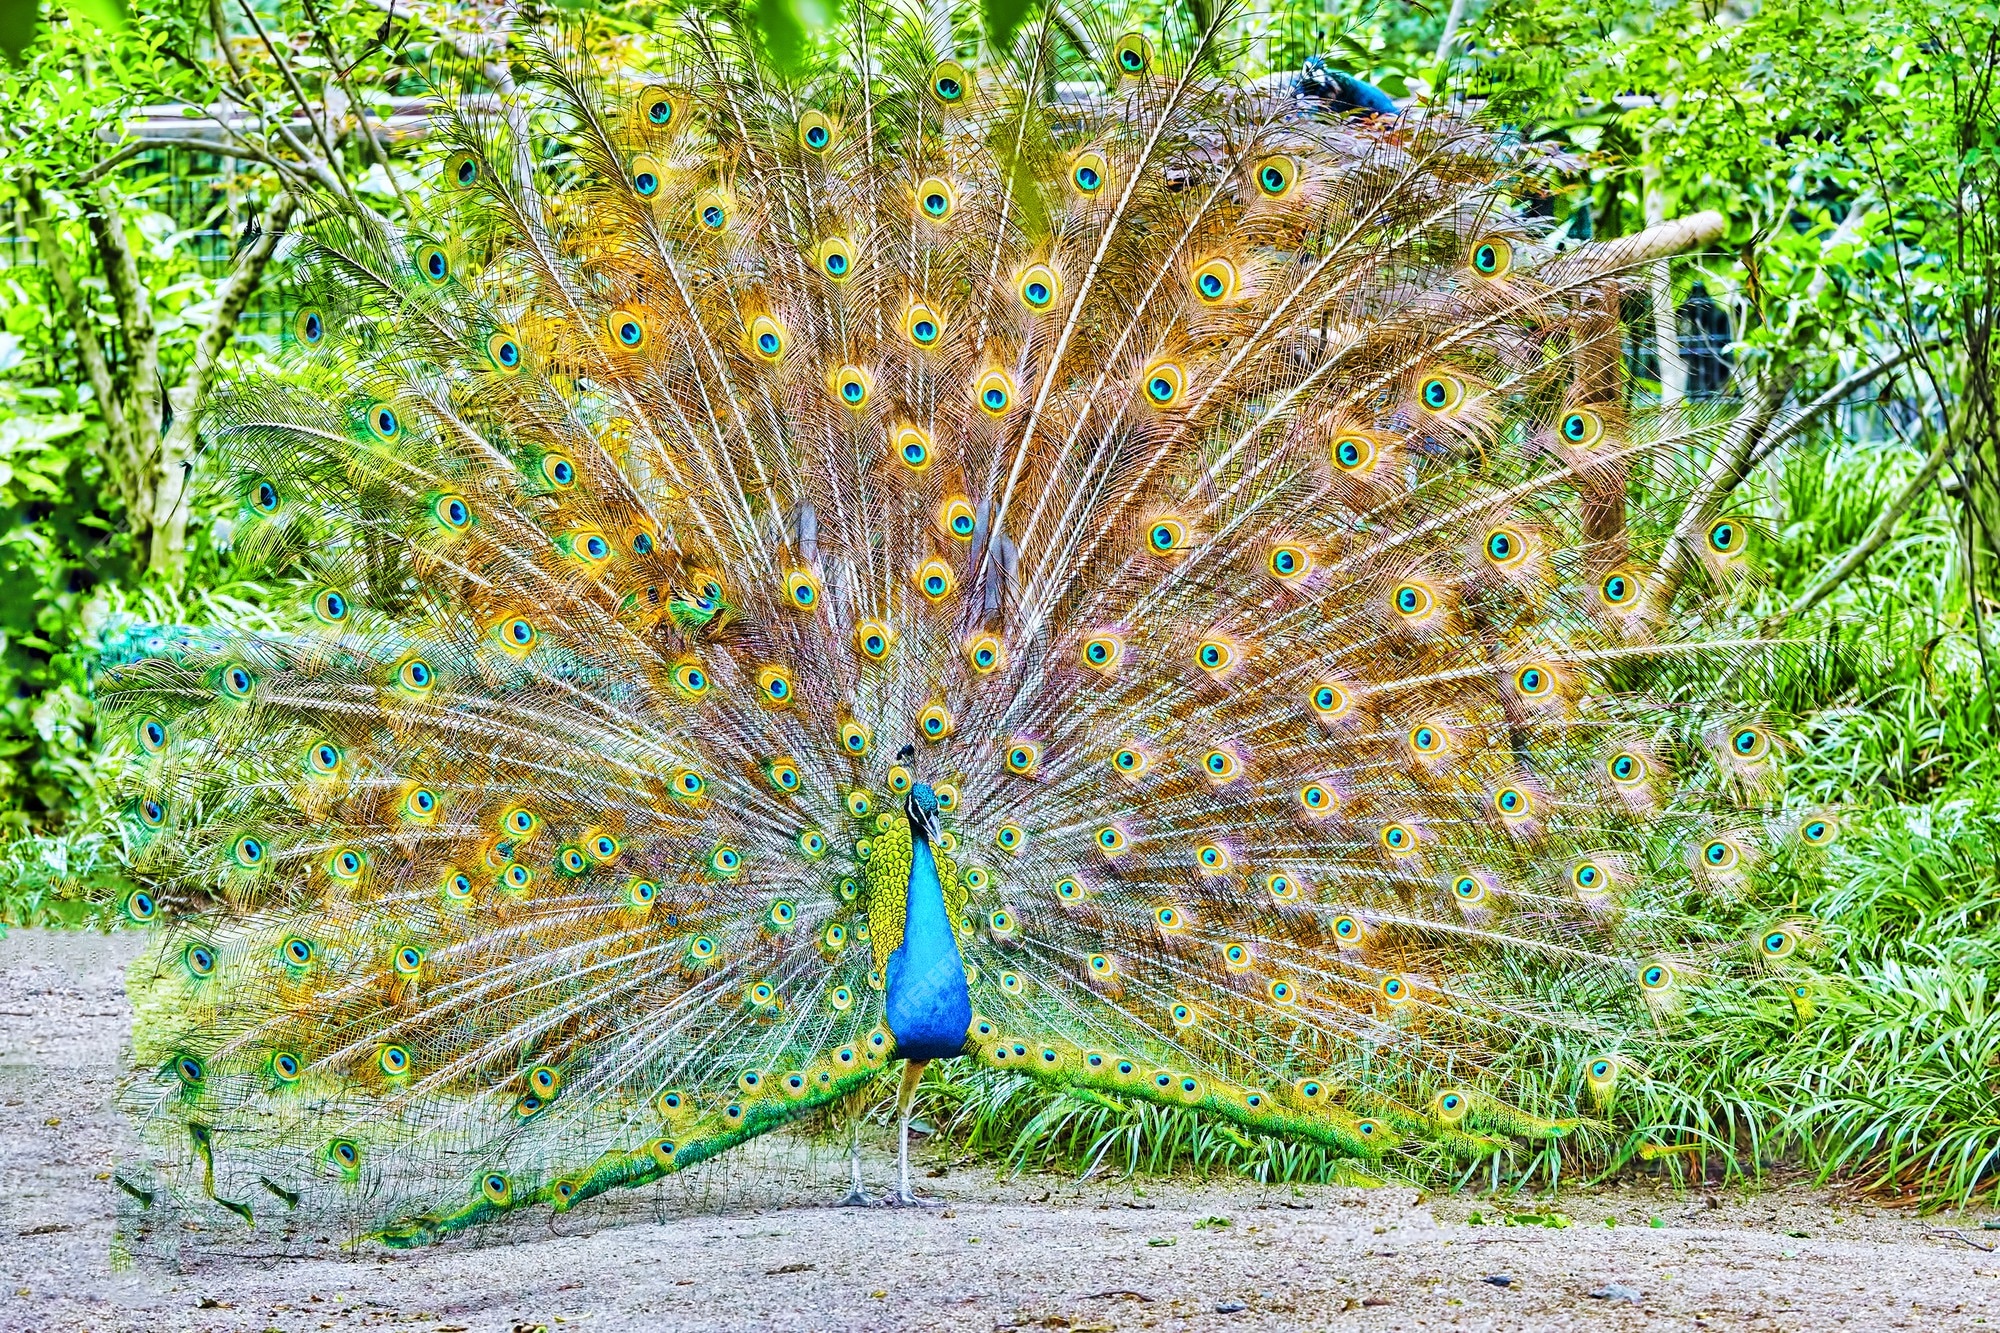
<point>1133,54</point>
<point>264,497</point>
<point>310,325</point>
<point>1505,548</point>
<point>984,653</point>
<point>1215,281</point>
<point>1329,701</point>
<point>1276,176</point>
<point>1088,172</point>
<point>1427,739</point>
<point>935,199</point>
<point>1725,537</point>
<point>767,338</point>
<point>815,131</point>
<point>949,82</point>
<point>628,328</point>
<point>1355,453</point>
<point>1413,602</point>
<point>1619,589</point>
<point>1492,258</point>
<point>956,516</point>
<point>1101,652</point>
<point>1165,382</point>
<point>1581,428</point>
<point>1534,681</point>
<point>1038,286</point>
<point>1441,394</point>
<point>1166,535</point>
<point>1215,655</point>
<point>1288,564</point>
<point>994,392</point>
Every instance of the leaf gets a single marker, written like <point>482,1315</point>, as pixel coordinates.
<point>1002,19</point>
<point>782,32</point>
<point>104,13</point>
<point>19,21</point>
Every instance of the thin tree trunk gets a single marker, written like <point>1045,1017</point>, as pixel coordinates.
<point>121,458</point>
<point>1452,21</point>
<point>169,516</point>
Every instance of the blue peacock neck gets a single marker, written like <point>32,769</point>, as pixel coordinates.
<point>926,1000</point>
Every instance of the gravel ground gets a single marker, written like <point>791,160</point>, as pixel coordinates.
<point>750,1243</point>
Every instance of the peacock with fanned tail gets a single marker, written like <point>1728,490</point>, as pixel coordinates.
<point>1168,590</point>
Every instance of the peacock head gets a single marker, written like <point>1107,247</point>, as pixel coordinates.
<point>921,805</point>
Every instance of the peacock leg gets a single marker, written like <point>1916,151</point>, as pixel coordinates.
<point>856,1197</point>
<point>912,1071</point>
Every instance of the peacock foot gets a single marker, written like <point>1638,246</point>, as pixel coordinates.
<point>856,1199</point>
<point>905,1199</point>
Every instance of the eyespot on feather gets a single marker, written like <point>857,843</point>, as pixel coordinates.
<point>1038,286</point>
<point>816,132</point>
<point>935,199</point>
<point>950,84</point>
<point>1088,172</point>
<point>1132,55</point>
<point>1492,257</point>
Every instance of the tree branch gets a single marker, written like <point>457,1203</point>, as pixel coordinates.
<point>1760,431</point>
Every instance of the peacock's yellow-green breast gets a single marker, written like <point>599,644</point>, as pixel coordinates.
<point>886,881</point>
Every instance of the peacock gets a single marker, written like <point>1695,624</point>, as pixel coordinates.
<point>1045,556</point>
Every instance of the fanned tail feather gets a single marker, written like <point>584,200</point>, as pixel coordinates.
<point>1244,514</point>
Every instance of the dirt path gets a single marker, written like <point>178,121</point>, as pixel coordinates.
<point>750,1245</point>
